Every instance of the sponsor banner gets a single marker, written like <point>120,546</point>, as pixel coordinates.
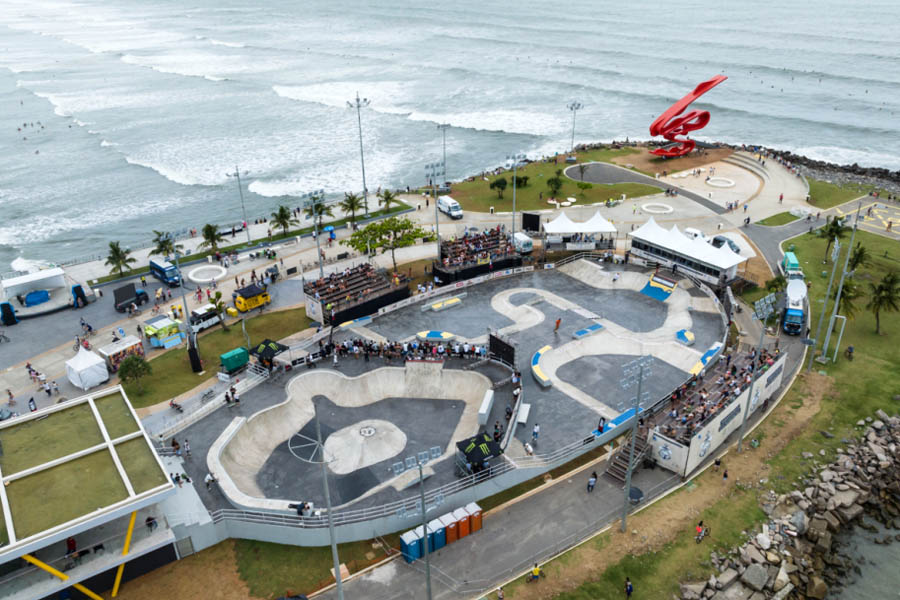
<point>549,265</point>
<point>668,453</point>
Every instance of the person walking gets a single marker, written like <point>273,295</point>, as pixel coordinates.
<point>629,589</point>
<point>46,388</point>
<point>187,447</point>
<point>535,433</point>
<point>143,281</point>
<point>558,322</point>
<point>592,481</point>
<point>717,464</point>
<point>725,476</point>
<point>12,398</point>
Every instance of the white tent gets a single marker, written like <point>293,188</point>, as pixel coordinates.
<point>563,224</point>
<point>675,241</point>
<point>86,370</point>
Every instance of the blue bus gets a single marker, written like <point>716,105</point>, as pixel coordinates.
<point>165,272</point>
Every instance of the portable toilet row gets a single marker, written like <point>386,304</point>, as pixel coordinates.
<point>440,532</point>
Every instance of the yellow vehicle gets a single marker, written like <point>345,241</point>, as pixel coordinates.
<point>250,297</point>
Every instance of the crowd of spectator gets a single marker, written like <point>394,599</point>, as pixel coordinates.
<point>388,351</point>
<point>340,290</point>
<point>703,397</point>
<point>476,248</point>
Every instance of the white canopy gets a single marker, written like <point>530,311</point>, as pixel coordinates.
<point>563,224</point>
<point>675,241</point>
<point>41,280</point>
<point>86,370</point>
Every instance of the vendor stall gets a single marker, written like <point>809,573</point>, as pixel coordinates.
<point>116,352</point>
<point>86,370</point>
<point>595,233</point>
<point>163,332</point>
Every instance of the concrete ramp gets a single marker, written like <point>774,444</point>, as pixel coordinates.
<point>245,445</point>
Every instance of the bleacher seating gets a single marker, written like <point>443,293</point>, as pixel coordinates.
<point>472,249</point>
<point>339,291</point>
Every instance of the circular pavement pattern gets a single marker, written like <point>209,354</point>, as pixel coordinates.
<point>657,208</point>
<point>362,445</point>
<point>720,182</point>
<point>207,273</point>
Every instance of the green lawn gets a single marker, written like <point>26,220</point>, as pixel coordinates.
<point>826,195</point>
<point>116,416</point>
<point>140,465</point>
<point>172,373</point>
<point>779,219</point>
<point>276,236</point>
<point>478,197</point>
<point>38,441</point>
<point>59,494</point>
<point>272,570</point>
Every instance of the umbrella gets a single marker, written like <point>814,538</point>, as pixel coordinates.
<point>328,228</point>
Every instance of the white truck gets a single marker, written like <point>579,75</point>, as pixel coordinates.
<point>795,307</point>
<point>450,207</point>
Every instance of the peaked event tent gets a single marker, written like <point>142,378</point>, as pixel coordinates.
<point>86,370</point>
<point>563,224</point>
<point>675,241</point>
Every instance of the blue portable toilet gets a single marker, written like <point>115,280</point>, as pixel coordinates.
<point>437,536</point>
<point>411,546</point>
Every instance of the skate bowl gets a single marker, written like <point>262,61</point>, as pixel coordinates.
<point>242,450</point>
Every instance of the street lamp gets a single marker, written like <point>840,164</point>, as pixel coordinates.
<point>193,353</point>
<point>515,158</point>
<point>444,127</point>
<point>432,172</point>
<point>237,174</point>
<point>419,460</point>
<point>835,255</point>
<point>359,104</point>
<point>316,200</point>
<point>574,107</point>
<point>840,289</point>
<point>762,308</point>
<point>634,374</point>
<point>312,451</point>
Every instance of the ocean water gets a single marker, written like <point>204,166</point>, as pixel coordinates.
<point>140,107</point>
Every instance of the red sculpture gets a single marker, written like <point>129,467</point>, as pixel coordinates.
<point>669,124</point>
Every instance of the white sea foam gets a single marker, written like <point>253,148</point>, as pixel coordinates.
<point>26,265</point>
<point>106,144</point>
<point>847,156</point>
<point>338,93</point>
<point>226,44</point>
<point>509,121</point>
<point>184,176</point>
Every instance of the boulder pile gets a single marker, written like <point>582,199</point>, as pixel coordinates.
<point>795,553</point>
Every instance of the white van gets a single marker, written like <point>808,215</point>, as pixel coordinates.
<point>522,243</point>
<point>450,207</point>
<point>694,234</point>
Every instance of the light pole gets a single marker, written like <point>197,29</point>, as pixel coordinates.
<point>315,201</point>
<point>837,299</point>
<point>635,372</point>
<point>419,460</point>
<point>515,158</point>
<point>237,174</point>
<point>835,255</point>
<point>432,172</point>
<point>193,353</point>
<point>762,308</point>
<point>359,104</point>
<point>444,127</point>
<point>574,106</point>
<point>307,449</point>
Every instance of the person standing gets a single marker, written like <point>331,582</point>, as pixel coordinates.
<point>717,464</point>
<point>592,481</point>
<point>535,433</point>
<point>629,589</point>
<point>12,399</point>
<point>725,476</point>
<point>558,322</point>
<point>187,447</point>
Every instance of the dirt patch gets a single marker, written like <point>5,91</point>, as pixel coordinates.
<point>652,164</point>
<point>662,522</point>
<point>194,577</point>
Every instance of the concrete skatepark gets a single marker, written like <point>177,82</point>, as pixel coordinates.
<point>424,405</point>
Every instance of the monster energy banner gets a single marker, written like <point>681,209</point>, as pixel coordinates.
<point>479,448</point>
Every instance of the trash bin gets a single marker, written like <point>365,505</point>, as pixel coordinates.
<point>437,536</point>
<point>411,546</point>
<point>209,259</point>
<point>474,516</point>
<point>492,210</point>
<point>449,527</point>
<point>462,522</point>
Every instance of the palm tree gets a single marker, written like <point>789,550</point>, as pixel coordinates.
<point>885,297</point>
<point>859,257</point>
<point>386,198</point>
<point>351,203</point>
<point>850,293</point>
<point>317,209</point>
<point>165,244</point>
<point>776,284</point>
<point>211,237</point>
<point>220,307</point>
<point>284,218</point>
<point>834,229</point>
<point>119,258</point>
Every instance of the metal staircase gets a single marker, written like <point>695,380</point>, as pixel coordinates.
<point>617,467</point>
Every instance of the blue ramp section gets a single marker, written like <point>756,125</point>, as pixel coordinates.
<point>659,288</point>
<point>623,418</point>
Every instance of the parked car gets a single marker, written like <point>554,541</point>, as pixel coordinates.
<point>721,240</point>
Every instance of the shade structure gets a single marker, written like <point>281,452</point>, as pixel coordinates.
<point>676,242</point>
<point>86,370</point>
<point>478,448</point>
<point>562,224</point>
